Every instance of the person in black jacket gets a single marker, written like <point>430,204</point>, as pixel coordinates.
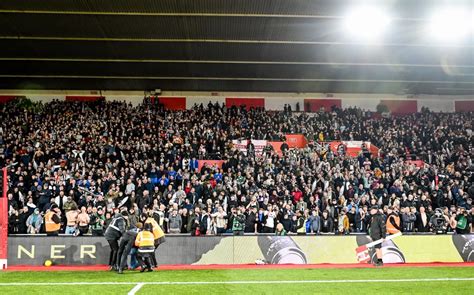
<point>251,221</point>
<point>115,230</point>
<point>126,244</point>
<point>377,231</point>
<point>327,224</point>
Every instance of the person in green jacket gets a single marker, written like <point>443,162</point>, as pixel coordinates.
<point>238,223</point>
<point>280,230</point>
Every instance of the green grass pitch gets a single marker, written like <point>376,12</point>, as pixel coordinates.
<point>400,280</point>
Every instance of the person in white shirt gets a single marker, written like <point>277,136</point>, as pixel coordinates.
<point>221,220</point>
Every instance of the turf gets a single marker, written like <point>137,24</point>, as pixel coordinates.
<point>266,281</point>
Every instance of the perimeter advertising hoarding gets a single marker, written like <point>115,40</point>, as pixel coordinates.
<point>34,250</point>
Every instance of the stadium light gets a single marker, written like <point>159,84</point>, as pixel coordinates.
<point>450,24</point>
<point>366,23</point>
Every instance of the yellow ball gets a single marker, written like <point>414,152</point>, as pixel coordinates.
<point>48,263</point>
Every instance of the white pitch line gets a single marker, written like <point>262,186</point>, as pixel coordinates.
<point>243,282</point>
<point>135,289</point>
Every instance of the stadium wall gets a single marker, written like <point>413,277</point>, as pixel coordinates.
<point>272,101</point>
<point>68,250</point>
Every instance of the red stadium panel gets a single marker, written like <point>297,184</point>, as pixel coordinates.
<point>464,106</point>
<point>83,98</point>
<point>248,102</point>
<point>173,103</point>
<point>6,98</point>
<point>315,105</point>
<point>3,219</point>
<point>401,107</point>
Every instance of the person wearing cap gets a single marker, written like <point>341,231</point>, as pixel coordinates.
<point>145,241</point>
<point>52,220</point>
<point>115,230</point>
<point>377,231</point>
<point>126,244</point>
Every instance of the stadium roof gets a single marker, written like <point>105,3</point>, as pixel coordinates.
<point>225,45</point>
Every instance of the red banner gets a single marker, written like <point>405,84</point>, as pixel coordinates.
<point>296,140</point>
<point>4,218</point>
<point>401,107</point>
<point>315,105</point>
<point>464,106</point>
<point>248,102</point>
<point>211,163</point>
<point>417,163</point>
<point>173,103</point>
<point>6,98</point>
<point>276,146</point>
<point>83,98</point>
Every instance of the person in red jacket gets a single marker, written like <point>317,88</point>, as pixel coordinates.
<point>297,195</point>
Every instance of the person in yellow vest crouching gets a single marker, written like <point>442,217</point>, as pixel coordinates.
<point>393,221</point>
<point>52,221</point>
<point>145,241</point>
<point>158,234</point>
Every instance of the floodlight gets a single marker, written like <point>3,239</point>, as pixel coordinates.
<point>450,24</point>
<point>366,23</point>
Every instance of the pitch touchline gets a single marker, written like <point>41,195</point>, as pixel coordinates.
<point>242,282</point>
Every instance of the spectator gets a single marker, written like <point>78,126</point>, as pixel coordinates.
<point>174,223</point>
<point>221,220</point>
<point>157,166</point>
<point>280,230</point>
<point>270,215</point>
<point>327,223</point>
<point>343,224</point>
<point>409,219</point>
<point>251,220</point>
<point>238,223</point>
<point>422,221</point>
<point>34,222</point>
<point>97,222</point>
<point>83,220</point>
<point>71,221</point>
<point>314,222</point>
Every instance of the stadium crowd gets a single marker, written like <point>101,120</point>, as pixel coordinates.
<point>85,159</point>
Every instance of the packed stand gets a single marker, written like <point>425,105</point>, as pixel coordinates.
<point>86,159</point>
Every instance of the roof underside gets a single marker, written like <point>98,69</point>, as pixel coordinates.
<point>223,45</point>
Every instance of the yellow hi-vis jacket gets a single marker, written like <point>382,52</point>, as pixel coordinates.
<point>51,226</point>
<point>145,239</point>
<point>157,231</point>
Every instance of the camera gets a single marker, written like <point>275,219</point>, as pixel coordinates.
<point>438,222</point>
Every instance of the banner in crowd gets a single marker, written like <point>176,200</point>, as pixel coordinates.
<point>276,146</point>
<point>353,148</point>
<point>84,98</point>
<point>400,107</point>
<point>296,140</point>
<point>242,145</point>
<point>417,163</point>
<point>7,98</point>
<point>316,105</point>
<point>34,250</point>
<point>247,102</point>
<point>211,163</point>
<point>173,103</point>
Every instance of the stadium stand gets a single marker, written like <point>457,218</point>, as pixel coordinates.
<point>87,158</point>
